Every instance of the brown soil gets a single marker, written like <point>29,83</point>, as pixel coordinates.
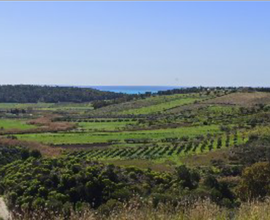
<point>205,159</point>
<point>143,164</point>
<point>45,124</point>
<point>44,149</point>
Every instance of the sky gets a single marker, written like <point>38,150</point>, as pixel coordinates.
<point>135,43</point>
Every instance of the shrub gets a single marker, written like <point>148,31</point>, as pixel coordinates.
<point>255,181</point>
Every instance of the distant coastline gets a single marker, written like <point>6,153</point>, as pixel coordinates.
<point>116,89</point>
<point>134,89</point>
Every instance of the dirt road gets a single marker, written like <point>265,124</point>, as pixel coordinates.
<point>4,214</point>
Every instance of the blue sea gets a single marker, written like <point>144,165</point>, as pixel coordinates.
<point>134,89</point>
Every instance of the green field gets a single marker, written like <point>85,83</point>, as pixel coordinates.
<point>9,124</point>
<point>101,137</point>
<point>24,105</point>
<point>160,107</point>
<point>68,107</point>
<point>134,130</point>
<point>47,106</point>
<point>104,126</point>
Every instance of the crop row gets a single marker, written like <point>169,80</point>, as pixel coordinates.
<point>160,150</point>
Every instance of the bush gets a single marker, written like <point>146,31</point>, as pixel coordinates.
<point>158,199</point>
<point>35,154</point>
<point>111,205</point>
<point>255,182</point>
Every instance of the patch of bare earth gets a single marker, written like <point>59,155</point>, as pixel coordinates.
<point>47,123</point>
<point>44,124</point>
<point>44,149</point>
<point>144,164</point>
<point>206,158</point>
<point>4,213</point>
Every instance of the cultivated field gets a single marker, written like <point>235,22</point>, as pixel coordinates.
<point>158,128</point>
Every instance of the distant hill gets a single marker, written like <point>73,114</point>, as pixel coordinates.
<point>242,99</point>
<point>52,94</point>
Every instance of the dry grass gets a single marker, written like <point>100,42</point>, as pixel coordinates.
<point>46,123</point>
<point>205,159</point>
<point>138,210</point>
<point>242,99</point>
<point>202,210</point>
<point>43,124</point>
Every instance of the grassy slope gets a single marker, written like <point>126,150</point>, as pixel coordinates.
<point>160,107</point>
<point>148,105</point>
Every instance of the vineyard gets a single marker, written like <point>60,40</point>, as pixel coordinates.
<point>172,150</point>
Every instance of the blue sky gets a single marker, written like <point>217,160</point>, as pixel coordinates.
<point>135,43</point>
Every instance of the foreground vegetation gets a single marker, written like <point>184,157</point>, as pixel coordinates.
<point>201,210</point>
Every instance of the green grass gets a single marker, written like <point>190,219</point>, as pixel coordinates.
<point>68,107</point>
<point>160,107</point>
<point>101,137</point>
<point>222,109</point>
<point>47,106</point>
<point>8,124</point>
<point>106,126</point>
<point>24,105</point>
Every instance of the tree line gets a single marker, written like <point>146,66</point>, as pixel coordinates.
<point>52,94</point>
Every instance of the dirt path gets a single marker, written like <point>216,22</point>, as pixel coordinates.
<point>3,210</point>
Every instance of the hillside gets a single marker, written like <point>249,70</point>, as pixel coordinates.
<point>52,94</point>
<point>157,152</point>
<point>149,105</point>
<point>242,99</point>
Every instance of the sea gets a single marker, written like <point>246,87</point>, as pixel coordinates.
<point>134,89</point>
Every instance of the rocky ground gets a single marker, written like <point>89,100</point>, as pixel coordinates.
<point>4,214</point>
